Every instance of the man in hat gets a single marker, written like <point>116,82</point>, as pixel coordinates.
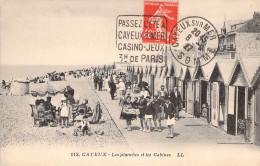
<point>157,114</point>
<point>69,94</point>
<point>112,87</point>
<point>142,106</point>
<point>149,112</point>
<point>175,98</point>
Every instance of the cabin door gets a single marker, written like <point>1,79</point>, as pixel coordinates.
<point>215,104</point>
<point>190,98</point>
<point>257,116</point>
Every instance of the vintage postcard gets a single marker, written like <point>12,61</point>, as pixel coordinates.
<point>134,82</point>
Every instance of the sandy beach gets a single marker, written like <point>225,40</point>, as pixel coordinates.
<point>17,124</point>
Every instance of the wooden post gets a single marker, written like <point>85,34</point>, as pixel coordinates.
<point>236,91</point>
<point>246,102</point>
<point>253,116</point>
<point>226,108</point>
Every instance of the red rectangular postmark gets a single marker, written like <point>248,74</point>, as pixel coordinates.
<point>160,18</point>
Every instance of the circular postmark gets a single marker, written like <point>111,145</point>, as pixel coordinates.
<point>194,41</point>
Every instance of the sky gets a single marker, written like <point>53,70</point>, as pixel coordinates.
<point>83,32</point>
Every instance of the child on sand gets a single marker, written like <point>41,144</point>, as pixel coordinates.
<point>82,125</point>
<point>64,113</point>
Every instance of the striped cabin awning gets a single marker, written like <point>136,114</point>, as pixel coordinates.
<point>153,70</point>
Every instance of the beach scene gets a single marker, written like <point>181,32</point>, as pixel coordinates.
<point>137,82</point>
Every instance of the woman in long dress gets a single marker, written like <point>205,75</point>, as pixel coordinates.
<point>128,117</point>
<point>106,86</point>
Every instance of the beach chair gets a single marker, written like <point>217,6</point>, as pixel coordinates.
<point>97,114</point>
<point>34,114</point>
<point>42,117</point>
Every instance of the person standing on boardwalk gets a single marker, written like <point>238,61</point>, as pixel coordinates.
<point>128,117</point>
<point>112,87</point>
<point>149,111</point>
<point>163,92</point>
<point>157,113</point>
<point>170,111</point>
<point>121,88</point>
<point>142,106</point>
<point>95,81</point>
<point>100,83</point>
<point>144,92</point>
<point>175,98</point>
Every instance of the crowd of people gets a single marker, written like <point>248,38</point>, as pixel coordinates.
<point>150,109</point>
<point>69,113</point>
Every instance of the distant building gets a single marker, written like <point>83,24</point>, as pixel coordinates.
<point>240,38</point>
<point>121,66</point>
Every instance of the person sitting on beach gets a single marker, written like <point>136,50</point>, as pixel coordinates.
<point>40,109</point>
<point>82,124</point>
<point>47,104</point>
<point>49,110</point>
<point>85,125</point>
<point>37,102</point>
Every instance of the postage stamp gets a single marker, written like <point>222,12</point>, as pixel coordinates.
<point>194,41</point>
<point>167,11</point>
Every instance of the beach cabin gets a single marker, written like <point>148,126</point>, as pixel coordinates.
<point>178,80</point>
<point>218,89</point>
<point>164,77</point>
<point>242,101</point>
<point>190,88</point>
<point>167,76</point>
<point>203,90</point>
<point>134,75</point>
<point>157,79</point>
<point>19,87</point>
<point>153,78</point>
<point>145,74</point>
<point>140,74</point>
<point>254,108</point>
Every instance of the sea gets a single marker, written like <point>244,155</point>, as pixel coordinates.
<point>8,72</point>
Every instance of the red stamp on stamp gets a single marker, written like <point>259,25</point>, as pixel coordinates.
<point>160,19</point>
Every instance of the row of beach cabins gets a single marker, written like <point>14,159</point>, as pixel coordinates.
<point>230,88</point>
